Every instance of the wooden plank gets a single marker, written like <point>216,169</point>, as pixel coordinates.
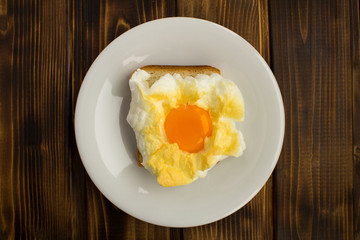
<point>250,20</point>
<point>94,24</point>
<point>7,207</point>
<point>78,65</point>
<point>355,27</point>
<point>311,58</point>
<point>35,187</point>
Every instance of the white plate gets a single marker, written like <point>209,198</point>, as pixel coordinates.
<point>107,143</point>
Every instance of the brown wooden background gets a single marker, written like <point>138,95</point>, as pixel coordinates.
<point>313,48</point>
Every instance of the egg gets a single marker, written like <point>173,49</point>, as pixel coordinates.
<point>184,126</point>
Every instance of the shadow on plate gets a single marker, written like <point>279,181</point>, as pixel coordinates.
<point>127,134</point>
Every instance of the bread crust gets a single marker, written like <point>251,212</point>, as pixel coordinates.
<point>182,70</point>
<point>157,71</point>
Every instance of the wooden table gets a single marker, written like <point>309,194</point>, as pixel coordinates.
<point>313,48</point>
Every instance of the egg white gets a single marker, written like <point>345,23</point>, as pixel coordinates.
<point>150,105</point>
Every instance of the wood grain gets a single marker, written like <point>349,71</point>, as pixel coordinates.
<point>7,209</point>
<point>250,20</point>
<point>34,120</point>
<point>311,58</point>
<point>355,27</point>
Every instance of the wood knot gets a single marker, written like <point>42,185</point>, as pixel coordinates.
<point>303,14</point>
<point>357,151</point>
<point>4,24</point>
<point>121,26</point>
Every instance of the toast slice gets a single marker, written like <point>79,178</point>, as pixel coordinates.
<point>157,71</point>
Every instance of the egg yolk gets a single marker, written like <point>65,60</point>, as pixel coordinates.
<point>188,125</point>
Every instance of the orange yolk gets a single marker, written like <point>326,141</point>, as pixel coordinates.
<point>188,125</point>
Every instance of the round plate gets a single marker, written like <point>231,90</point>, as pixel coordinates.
<point>107,143</point>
